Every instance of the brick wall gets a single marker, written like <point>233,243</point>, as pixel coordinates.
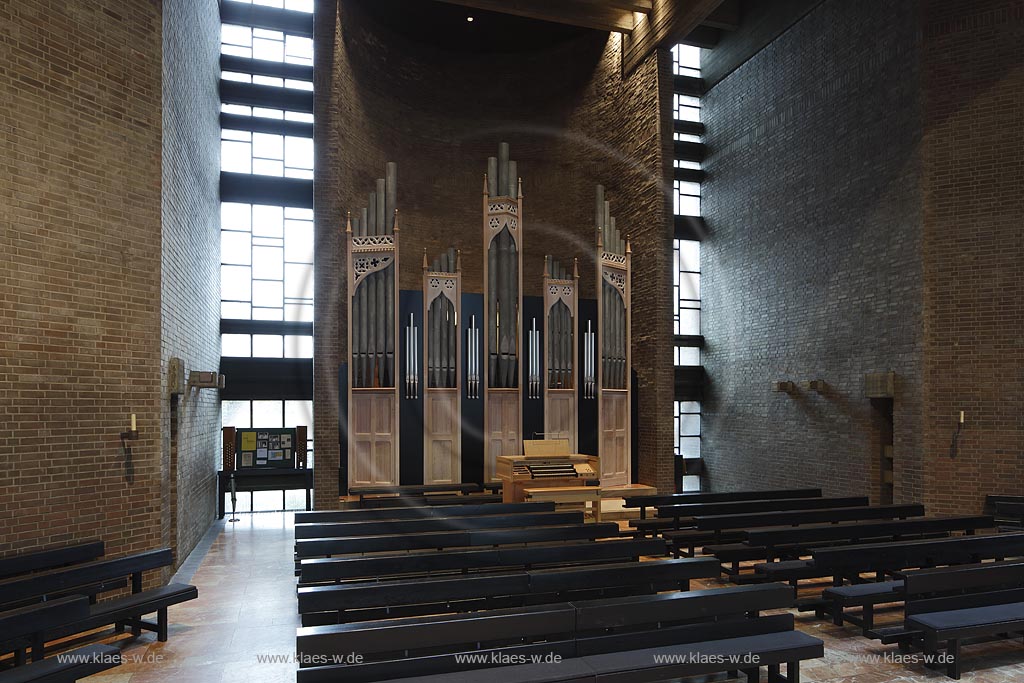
<point>812,268</point>
<point>571,121</point>
<point>973,89</point>
<point>79,273</point>
<point>190,263</point>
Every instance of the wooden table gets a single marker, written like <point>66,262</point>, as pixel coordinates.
<point>568,494</point>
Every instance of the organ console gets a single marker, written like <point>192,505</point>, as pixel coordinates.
<point>545,464</point>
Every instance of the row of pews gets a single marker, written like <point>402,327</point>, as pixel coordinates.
<point>70,590</point>
<point>521,592</point>
<point>950,574</point>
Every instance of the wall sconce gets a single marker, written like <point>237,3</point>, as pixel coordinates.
<point>785,387</point>
<point>818,385</point>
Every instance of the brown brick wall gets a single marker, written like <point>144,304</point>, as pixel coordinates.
<point>571,122</point>
<point>190,263</point>
<point>79,273</point>
<point>973,85</point>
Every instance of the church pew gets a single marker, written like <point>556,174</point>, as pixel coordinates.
<point>428,645</point>
<point>847,563</point>
<point>127,609</point>
<point>644,502</point>
<point>733,554</point>
<point>416,526</point>
<point>681,515</point>
<point>323,570</point>
<point>435,499</point>
<point>26,623</point>
<point>437,540</point>
<point>334,604</point>
<point>50,558</point>
<point>418,512</point>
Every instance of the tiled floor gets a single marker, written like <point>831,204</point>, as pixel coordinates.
<point>246,613</point>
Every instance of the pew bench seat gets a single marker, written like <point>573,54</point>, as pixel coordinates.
<point>656,664</point>
<point>66,668</point>
<point>130,609</point>
<point>863,595</point>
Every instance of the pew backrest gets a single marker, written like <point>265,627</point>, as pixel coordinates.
<point>797,517</point>
<point>427,524</point>
<point>924,553</point>
<point>964,586</point>
<point>742,507</point>
<point>50,558</point>
<point>857,530</point>
<point>718,497</point>
<point>420,512</point>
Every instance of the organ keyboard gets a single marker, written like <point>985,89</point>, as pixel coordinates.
<point>545,464</point>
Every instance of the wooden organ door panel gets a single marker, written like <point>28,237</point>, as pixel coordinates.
<point>614,438</point>
<point>560,417</point>
<point>373,454</point>
<point>503,427</point>
<point>443,456</point>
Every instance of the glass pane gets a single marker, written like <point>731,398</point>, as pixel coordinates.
<point>242,135</point>
<point>235,283</point>
<point>687,406</point>
<point>298,281</point>
<point>239,109</point>
<point>300,116</point>
<point>688,424</point>
<point>299,5</point>
<point>298,85</point>
<point>235,35</point>
<point>269,294</point>
<point>267,262</point>
<point>267,346</point>
<point>298,346</point>
<point>235,345</point>
<point>687,206</point>
<point>272,50</point>
<point>235,311</point>
<point>234,414</point>
<point>687,355</point>
<point>267,146</point>
<point>272,81</point>
<point>265,33</point>
<point>299,413</point>
<point>235,216</point>
<point>691,483</point>
<point>298,245</point>
<point>689,286</point>
<point>233,76</point>
<point>684,187</point>
<point>299,152</point>
<point>299,49</point>
<point>267,113</point>
<point>689,321</point>
<point>268,167</point>
<point>687,101</point>
<point>234,248</point>
<point>236,51</point>
<point>267,221</point>
<point>299,312</point>
<point>267,414</point>
<point>688,113</point>
<point>688,446</point>
<point>235,156</point>
<point>305,173</point>
<point>689,255</point>
<point>687,56</point>
<point>267,314</point>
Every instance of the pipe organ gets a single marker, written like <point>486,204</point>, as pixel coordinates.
<point>442,409</point>
<point>560,309</point>
<point>613,381</point>
<point>372,260</point>
<point>467,361</point>
<point>503,267</point>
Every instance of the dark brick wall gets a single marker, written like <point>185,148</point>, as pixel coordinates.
<point>571,120</point>
<point>973,88</point>
<point>79,274</point>
<point>812,268</point>
<point>190,263</point>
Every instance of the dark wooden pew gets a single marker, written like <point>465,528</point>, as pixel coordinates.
<point>807,536</point>
<point>1003,508</point>
<point>434,499</point>
<point>329,547</point>
<point>322,570</point>
<point>26,623</point>
<point>336,604</point>
<point>945,606</point>
<point>847,563</point>
<point>578,629</point>
<point>414,512</point>
<point>418,526</point>
<point>730,555</point>
<point>680,516</point>
<point>390,495</point>
<point>128,609</point>
<point>644,502</point>
<point>50,558</point>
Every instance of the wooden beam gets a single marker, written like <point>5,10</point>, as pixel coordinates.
<point>644,6</point>
<point>668,23</point>
<point>583,13</point>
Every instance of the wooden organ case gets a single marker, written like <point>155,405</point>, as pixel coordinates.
<point>442,400</point>
<point>546,464</point>
<point>503,267</point>
<point>372,272</point>
<point>561,302</point>
<point>613,370</point>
